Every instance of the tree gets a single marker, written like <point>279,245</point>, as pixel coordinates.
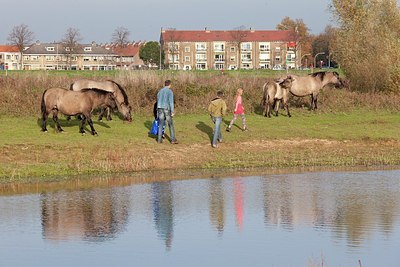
<point>71,40</point>
<point>324,42</point>
<point>121,36</point>
<point>150,53</point>
<point>300,33</point>
<point>20,36</point>
<point>238,34</point>
<point>367,44</point>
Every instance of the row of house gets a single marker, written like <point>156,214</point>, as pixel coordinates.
<point>58,56</point>
<point>183,50</point>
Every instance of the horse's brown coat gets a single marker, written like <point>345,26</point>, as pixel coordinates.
<point>70,103</point>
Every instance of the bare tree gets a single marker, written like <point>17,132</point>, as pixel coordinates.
<point>71,41</point>
<point>121,36</point>
<point>20,36</point>
<point>238,35</point>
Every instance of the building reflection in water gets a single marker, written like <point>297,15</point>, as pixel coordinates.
<point>163,211</point>
<point>217,205</point>
<point>91,215</point>
<point>350,207</point>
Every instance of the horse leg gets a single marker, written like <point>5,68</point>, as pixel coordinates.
<point>108,114</point>
<point>315,102</point>
<point>82,127</point>
<point>55,119</point>
<point>91,125</point>
<point>276,106</point>
<point>101,114</point>
<point>286,105</point>
<point>44,121</point>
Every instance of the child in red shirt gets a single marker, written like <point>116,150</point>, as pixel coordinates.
<point>239,110</point>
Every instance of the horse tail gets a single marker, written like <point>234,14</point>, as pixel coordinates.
<point>43,105</point>
<point>265,95</point>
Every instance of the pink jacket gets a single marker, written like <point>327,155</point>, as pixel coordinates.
<point>239,109</point>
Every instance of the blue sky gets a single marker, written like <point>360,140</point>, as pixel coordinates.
<point>97,20</point>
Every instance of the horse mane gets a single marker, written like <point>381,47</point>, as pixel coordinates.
<point>320,74</point>
<point>96,90</point>
<point>122,91</point>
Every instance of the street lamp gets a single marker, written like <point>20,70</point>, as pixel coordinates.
<point>315,58</point>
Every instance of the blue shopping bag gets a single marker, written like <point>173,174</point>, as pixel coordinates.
<point>154,127</point>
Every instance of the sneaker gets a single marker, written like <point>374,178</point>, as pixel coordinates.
<point>228,129</point>
<point>214,146</point>
<point>219,140</point>
<point>245,129</point>
<point>174,142</point>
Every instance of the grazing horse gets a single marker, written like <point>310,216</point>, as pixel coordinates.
<point>312,84</point>
<point>274,92</point>
<point>71,103</point>
<point>110,86</point>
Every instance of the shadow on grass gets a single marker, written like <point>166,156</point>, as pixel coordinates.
<point>64,123</point>
<point>205,128</point>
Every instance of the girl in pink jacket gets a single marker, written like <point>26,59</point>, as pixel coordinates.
<point>239,110</point>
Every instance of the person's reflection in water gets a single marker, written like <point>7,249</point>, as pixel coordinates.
<point>217,205</point>
<point>163,211</point>
<point>238,190</point>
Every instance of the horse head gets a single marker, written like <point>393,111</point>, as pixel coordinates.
<point>126,111</point>
<point>287,82</point>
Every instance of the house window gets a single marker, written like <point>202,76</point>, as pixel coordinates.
<point>87,49</point>
<point>246,57</point>
<point>85,59</point>
<point>50,48</point>
<point>201,47</point>
<point>278,58</point>
<point>264,47</point>
<point>187,49</point>
<point>201,66</point>
<point>187,58</point>
<point>232,49</point>
<point>201,57</point>
<point>219,47</point>
<point>246,46</point>
<point>67,49</point>
<point>219,57</point>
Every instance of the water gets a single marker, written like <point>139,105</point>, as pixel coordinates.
<point>307,219</point>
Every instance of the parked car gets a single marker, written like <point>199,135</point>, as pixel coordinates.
<point>278,67</point>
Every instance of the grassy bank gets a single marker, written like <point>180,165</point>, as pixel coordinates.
<point>349,129</point>
<point>356,138</point>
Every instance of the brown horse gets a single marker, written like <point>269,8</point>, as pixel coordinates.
<point>274,92</point>
<point>312,84</point>
<point>110,86</point>
<point>72,103</point>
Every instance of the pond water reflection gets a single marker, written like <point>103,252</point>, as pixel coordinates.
<point>335,218</point>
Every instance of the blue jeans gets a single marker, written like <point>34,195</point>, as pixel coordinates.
<point>217,130</point>
<point>165,115</point>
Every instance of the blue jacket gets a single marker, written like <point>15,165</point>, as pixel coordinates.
<point>165,99</point>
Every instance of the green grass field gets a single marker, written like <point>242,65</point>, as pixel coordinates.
<point>307,139</point>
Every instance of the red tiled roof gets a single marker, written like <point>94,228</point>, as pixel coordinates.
<point>209,36</point>
<point>9,48</point>
<point>130,50</point>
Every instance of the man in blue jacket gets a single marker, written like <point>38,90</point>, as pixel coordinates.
<point>165,111</point>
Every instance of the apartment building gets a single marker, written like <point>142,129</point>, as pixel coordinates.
<point>58,56</point>
<point>235,49</point>
<point>9,57</point>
